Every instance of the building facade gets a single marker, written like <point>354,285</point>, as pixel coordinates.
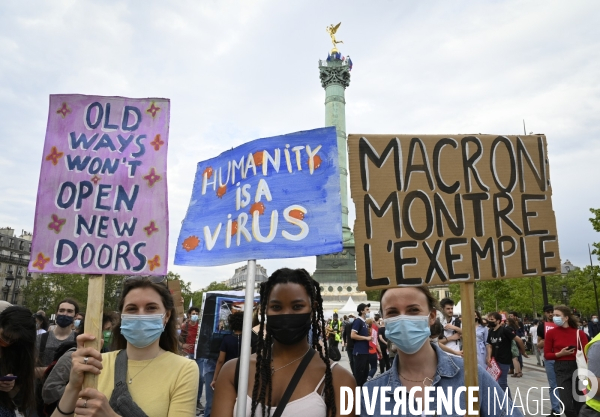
<point>14,259</point>
<point>239,278</point>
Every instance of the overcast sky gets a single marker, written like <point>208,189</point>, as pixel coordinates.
<point>241,70</point>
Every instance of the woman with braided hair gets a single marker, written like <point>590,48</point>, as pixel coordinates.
<point>291,307</point>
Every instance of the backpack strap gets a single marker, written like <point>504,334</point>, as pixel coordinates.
<point>294,382</point>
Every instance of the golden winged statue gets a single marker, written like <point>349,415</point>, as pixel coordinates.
<point>331,29</point>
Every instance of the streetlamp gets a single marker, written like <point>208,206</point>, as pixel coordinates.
<point>565,294</point>
<point>593,278</point>
<point>9,281</point>
<point>117,298</point>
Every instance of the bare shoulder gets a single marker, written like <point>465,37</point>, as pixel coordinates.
<point>342,377</point>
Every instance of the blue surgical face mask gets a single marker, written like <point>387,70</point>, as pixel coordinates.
<point>595,320</point>
<point>142,330</point>
<point>367,315</point>
<point>558,321</point>
<point>194,317</point>
<point>351,320</point>
<point>77,323</point>
<point>408,333</point>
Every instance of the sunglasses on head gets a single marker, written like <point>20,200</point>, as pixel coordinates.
<point>155,279</point>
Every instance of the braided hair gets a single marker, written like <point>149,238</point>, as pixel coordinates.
<point>261,394</point>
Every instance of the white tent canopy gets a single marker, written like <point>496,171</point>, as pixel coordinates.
<point>349,307</point>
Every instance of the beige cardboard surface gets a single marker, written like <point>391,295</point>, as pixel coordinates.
<point>434,209</point>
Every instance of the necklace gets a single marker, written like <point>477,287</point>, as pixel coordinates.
<point>145,366</point>
<point>273,370</point>
<point>427,382</point>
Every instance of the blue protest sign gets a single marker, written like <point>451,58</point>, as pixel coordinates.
<point>270,198</point>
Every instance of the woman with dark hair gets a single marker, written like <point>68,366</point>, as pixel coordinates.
<point>481,334</point>
<point>41,323</point>
<point>291,306</point>
<point>514,349</point>
<point>17,358</point>
<point>231,344</point>
<point>144,374</point>
<point>561,344</point>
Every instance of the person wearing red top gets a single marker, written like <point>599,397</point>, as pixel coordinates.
<point>561,345</point>
<point>189,333</point>
<point>374,351</point>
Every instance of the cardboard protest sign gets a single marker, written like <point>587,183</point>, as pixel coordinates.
<point>435,209</point>
<point>216,308</point>
<point>270,198</point>
<point>102,195</point>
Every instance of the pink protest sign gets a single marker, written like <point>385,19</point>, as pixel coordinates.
<point>102,196</point>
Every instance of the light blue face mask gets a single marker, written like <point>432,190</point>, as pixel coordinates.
<point>77,323</point>
<point>558,321</point>
<point>408,333</point>
<point>142,330</point>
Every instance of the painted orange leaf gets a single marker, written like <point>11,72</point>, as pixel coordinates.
<point>208,171</point>
<point>317,161</point>
<point>297,214</point>
<point>234,227</point>
<point>260,207</point>
<point>258,158</point>
<point>191,243</point>
<point>221,191</point>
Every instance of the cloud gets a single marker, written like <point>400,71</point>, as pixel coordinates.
<point>236,71</point>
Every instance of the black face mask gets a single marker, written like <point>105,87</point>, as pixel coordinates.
<point>64,320</point>
<point>289,329</point>
<point>491,324</point>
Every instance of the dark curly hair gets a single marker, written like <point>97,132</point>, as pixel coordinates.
<point>236,321</point>
<point>261,394</point>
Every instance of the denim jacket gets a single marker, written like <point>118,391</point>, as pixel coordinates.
<point>450,373</point>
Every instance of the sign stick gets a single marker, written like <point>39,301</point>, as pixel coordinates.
<point>93,321</point>
<point>467,297</point>
<point>246,335</point>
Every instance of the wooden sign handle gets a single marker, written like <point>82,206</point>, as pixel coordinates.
<point>469,337</point>
<point>93,321</point>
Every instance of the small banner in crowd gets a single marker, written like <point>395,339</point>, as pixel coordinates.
<point>270,198</point>
<point>436,209</point>
<point>216,308</point>
<point>102,196</point>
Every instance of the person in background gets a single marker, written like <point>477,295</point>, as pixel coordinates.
<point>585,327</point>
<point>384,362</point>
<point>499,347</point>
<point>41,323</point>
<point>349,342</point>
<point>144,375</point>
<point>362,336</point>
<point>409,313</point>
<point>374,351</point>
<point>543,328</point>
<point>592,352</point>
<point>344,324</point>
<point>452,330</point>
<point>107,325</point>
<point>514,326</point>
<point>47,343</point>
<point>534,340</point>
<point>334,328</point>
<point>561,344</point>
<point>593,327</point>
<point>231,344</point>
<point>17,358</point>
<point>79,317</point>
<point>481,335</point>
<point>189,336</point>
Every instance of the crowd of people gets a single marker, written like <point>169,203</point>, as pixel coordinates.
<point>413,341</point>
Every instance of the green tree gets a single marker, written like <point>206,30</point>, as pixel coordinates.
<point>596,225</point>
<point>373,295</point>
<point>44,292</point>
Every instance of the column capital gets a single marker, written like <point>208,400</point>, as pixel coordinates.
<point>334,74</point>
